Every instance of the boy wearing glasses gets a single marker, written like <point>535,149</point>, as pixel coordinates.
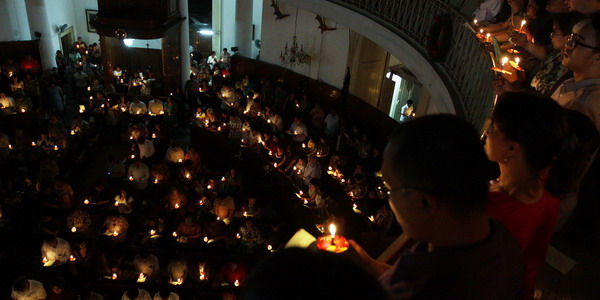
<point>435,170</point>
<point>581,55</point>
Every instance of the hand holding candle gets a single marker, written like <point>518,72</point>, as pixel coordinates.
<point>332,242</point>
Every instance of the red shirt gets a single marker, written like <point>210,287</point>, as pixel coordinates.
<point>531,224</point>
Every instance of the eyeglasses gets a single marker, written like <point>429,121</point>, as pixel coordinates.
<point>554,34</point>
<point>574,40</point>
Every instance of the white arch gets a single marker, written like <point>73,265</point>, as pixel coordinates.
<point>441,101</point>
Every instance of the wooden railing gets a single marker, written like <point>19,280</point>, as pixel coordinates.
<point>466,68</point>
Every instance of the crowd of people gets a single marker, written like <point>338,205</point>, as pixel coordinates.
<point>164,218</point>
<point>157,217</point>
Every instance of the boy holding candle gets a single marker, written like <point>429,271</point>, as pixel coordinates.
<point>435,170</point>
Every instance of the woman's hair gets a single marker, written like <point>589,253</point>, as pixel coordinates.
<point>566,21</point>
<point>536,123</point>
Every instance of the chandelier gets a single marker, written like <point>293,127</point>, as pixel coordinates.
<point>294,55</point>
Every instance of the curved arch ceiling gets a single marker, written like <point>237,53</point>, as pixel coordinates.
<point>441,101</point>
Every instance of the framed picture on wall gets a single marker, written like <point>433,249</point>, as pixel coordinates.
<point>90,15</point>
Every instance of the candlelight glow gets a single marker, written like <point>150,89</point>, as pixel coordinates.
<point>205,239</point>
<point>332,230</point>
<point>86,201</point>
<point>517,61</point>
<point>174,234</point>
<point>114,276</point>
<point>504,60</point>
<point>72,258</point>
<point>236,283</point>
<point>73,229</point>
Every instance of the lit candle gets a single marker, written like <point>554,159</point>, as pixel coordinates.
<point>22,110</point>
<point>115,233</point>
<point>72,132</point>
<point>141,278</point>
<point>488,37</point>
<point>504,61</point>
<point>72,258</point>
<point>517,61</point>
<point>44,260</point>
<point>89,88</point>
<point>73,229</point>
<point>269,247</point>
<point>275,165</point>
<point>174,234</point>
<point>238,236</point>
<point>55,148</point>
<point>114,276</point>
<point>475,22</point>
<point>223,179</point>
<point>152,232</point>
<point>116,203</point>
<point>33,144</point>
<point>156,181</point>
<point>206,239</point>
<point>236,283</point>
<point>10,147</point>
<point>180,160</point>
<point>86,201</point>
<point>209,186</point>
<point>372,218</point>
<point>303,145</point>
<point>522,24</point>
<point>154,135</point>
<point>188,175</point>
<point>176,205</point>
<point>130,178</point>
<point>332,242</point>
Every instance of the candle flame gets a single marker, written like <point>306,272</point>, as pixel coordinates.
<point>72,258</point>
<point>174,234</point>
<point>517,60</point>
<point>504,60</point>
<point>236,283</point>
<point>73,229</point>
<point>114,276</point>
<point>206,239</point>
<point>86,201</point>
<point>332,230</point>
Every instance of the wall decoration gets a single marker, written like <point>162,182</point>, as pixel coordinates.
<point>277,12</point>
<point>322,24</point>
<point>91,15</point>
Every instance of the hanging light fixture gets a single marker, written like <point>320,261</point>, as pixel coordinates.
<point>294,55</point>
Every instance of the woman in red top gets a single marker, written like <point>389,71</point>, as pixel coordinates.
<point>525,137</point>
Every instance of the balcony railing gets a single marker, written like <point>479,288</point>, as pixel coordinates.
<point>466,68</point>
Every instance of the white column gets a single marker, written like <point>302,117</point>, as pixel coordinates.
<point>185,41</point>
<point>14,24</point>
<point>216,26</point>
<point>243,28</point>
<point>38,21</point>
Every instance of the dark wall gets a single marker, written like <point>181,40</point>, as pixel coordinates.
<point>19,49</point>
<point>377,123</point>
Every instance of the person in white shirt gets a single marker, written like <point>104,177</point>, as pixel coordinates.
<point>212,59</point>
<point>146,148</point>
<point>175,154</point>
<point>332,123</point>
<point>138,107</point>
<point>156,107</point>
<point>225,58</point>
<point>6,101</point>
<point>488,10</point>
<point>146,263</point>
<point>55,251</point>
<point>407,111</point>
<point>138,173</point>
<point>298,130</point>
<point>312,170</point>
<point>135,293</point>
<point>25,289</point>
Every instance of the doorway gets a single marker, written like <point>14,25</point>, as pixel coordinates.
<point>67,39</point>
